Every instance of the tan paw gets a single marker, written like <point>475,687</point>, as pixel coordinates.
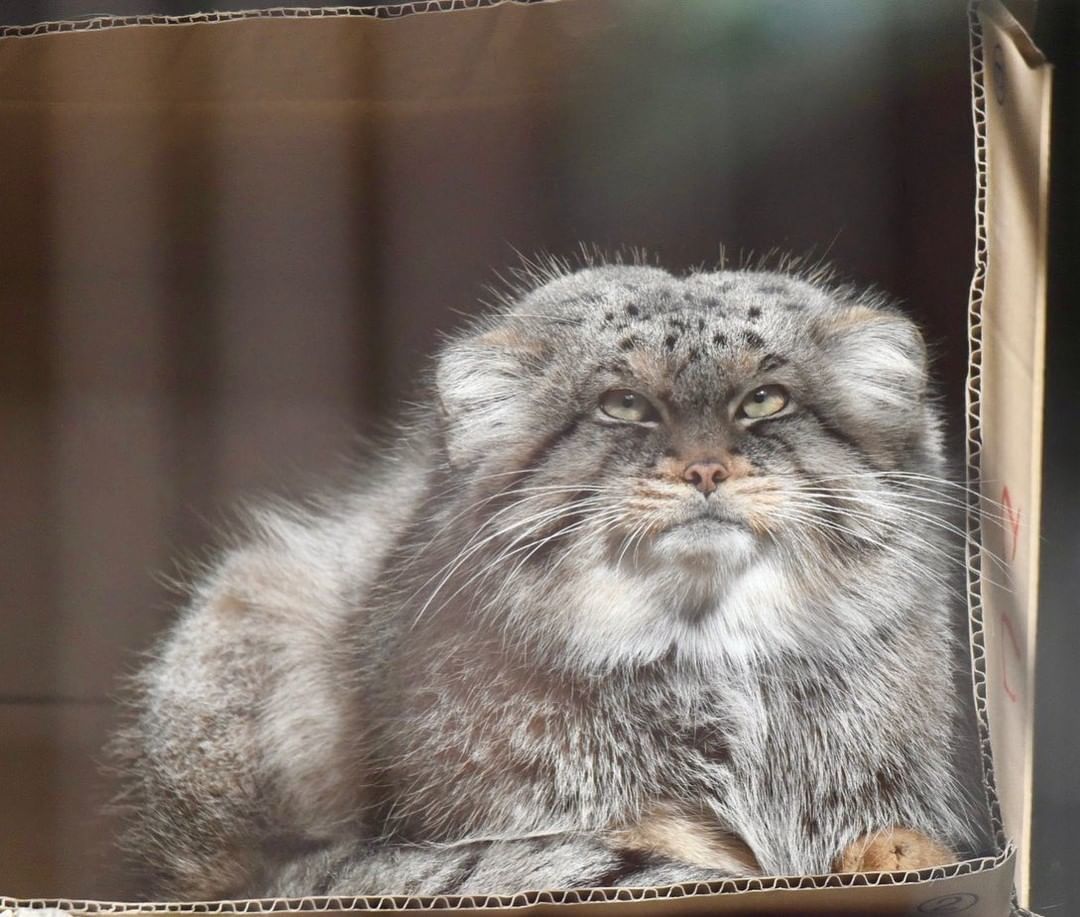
<point>892,850</point>
<point>666,831</point>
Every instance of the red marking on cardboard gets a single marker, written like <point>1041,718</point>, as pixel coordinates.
<point>1010,632</point>
<point>1013,516</point>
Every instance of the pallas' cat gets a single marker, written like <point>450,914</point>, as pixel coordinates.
<point>652,586</point>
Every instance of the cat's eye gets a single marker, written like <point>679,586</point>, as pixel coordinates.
<point>764,402</point>
<point>624,404</point>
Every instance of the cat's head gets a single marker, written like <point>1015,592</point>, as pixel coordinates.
<point>663,445</point>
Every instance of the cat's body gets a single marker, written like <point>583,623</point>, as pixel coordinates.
<point>558,639</point>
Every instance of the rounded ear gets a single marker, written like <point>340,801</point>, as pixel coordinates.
<point>881,351</point>
<point>479,380</point>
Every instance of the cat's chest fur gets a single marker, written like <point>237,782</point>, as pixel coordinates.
<point>520,752</point>
<point>487,737</point>
<point>524,747</point>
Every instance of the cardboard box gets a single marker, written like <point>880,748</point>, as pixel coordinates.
<point>432,55</point>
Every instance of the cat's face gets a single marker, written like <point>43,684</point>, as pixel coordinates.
<point>683,436</point>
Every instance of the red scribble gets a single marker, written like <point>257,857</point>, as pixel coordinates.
<point>1013,516</point>
<point>1007,627</point>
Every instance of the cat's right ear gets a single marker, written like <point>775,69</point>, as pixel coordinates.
<point>480,382</point>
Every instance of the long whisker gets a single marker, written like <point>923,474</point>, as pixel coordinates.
<point>943,500</point>
<point>917,478</point>
<point>639,531</point>
<point>489,521</point>
<point>512,550</point>
<point>607,525</point>
<point>826,528</point>
<point>531,524</point>
<point>897,513</point>
<point>937,498</point>
<point>911,561</point>
<point>531,548</point>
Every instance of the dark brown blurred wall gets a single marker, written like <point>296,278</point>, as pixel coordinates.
<point>226,249</point>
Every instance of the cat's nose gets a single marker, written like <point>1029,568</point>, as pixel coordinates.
<point>706,476</point>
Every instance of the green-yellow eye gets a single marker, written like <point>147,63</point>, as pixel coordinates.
<point>764,402</point>
<point>623,404</point>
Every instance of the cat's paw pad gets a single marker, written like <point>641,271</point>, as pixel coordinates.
<point>892,850</point>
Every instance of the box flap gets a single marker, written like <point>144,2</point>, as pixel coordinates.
<point>1013,116</point>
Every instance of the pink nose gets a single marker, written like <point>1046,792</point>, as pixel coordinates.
<point>705,476</point>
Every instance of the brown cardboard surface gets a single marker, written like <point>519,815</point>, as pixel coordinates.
<point>1017,110</point>
<point>237,98</point>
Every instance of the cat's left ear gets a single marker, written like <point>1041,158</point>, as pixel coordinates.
<point>878,353</point>
<point>480,381</point>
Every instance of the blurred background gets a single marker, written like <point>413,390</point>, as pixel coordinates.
<point>226,252</point>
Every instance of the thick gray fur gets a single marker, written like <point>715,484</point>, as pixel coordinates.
<point>511,639</point>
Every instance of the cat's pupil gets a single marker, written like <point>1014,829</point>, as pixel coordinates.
<point>760,395</point>
<point>628,401</point>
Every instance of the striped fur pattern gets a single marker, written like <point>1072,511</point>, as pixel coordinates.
<point>527,650</point>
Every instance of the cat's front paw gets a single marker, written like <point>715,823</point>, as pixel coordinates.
<point>892,850</point>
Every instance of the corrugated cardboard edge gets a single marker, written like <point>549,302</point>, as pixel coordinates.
<point>398,11</point>
<point>989,868</point>
<point>973,441</point>
<point>536,901</point>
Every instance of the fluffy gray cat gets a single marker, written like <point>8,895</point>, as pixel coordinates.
<point>654,586</point>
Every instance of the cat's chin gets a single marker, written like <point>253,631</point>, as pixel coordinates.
<point>707,546</point>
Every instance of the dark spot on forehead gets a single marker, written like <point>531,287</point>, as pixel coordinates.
<point>669,341</point>
<point>753,339</point>
<point>719,339</point>
<point>710,302</point>
<point>792,305</point>
<point>688,296</point>
<point>753,313</point>
<point>771,361</point>
<point>609,317</point>
<point>629,343</point>
<point>701,324</point>
<point>633,310</point>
